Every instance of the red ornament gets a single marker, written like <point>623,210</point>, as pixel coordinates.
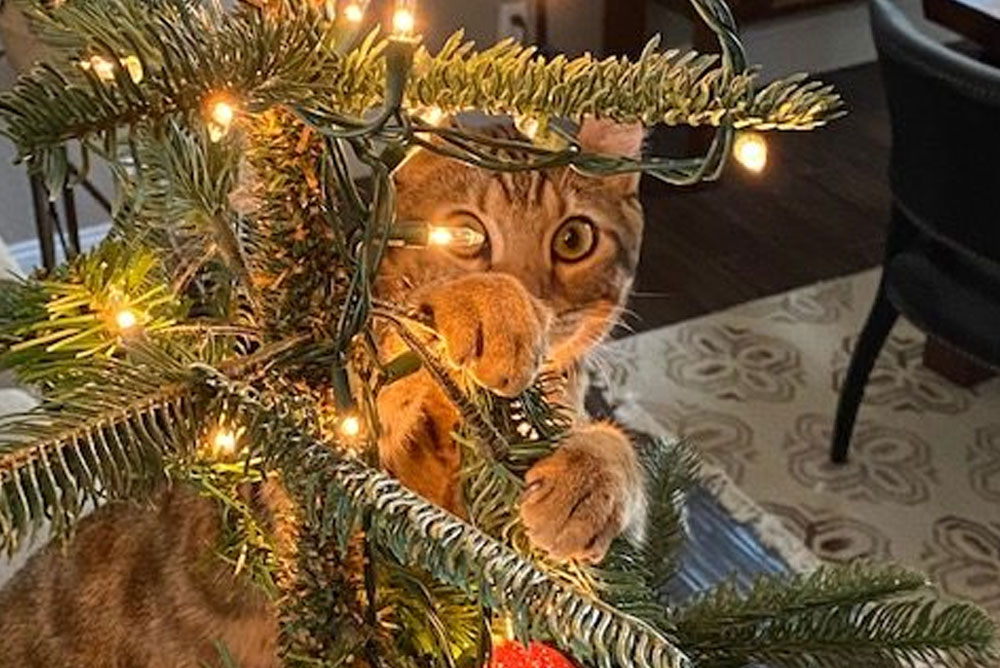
<point>536,655</point>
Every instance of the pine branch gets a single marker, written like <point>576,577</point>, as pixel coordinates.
<point>442,624</point>
<point>182,194</point>
<point>335,491</point>
<point>633,577</point>
<point>419,533</point>
<point>89,449</point>
<point>669,87</point>
<point>286,58</point>
<point>185,57</point>
<point>825,587</point>
<point>672,469</point>
<point>54,330</point>
<point>831,616</point>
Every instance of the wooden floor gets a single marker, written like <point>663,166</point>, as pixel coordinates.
<point>817,211</point>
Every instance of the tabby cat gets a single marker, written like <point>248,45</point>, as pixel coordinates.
<point>140,587</point>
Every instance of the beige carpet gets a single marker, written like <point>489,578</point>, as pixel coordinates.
<point>755,389</point>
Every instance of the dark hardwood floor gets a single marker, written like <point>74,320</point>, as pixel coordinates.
<point>818,211</point>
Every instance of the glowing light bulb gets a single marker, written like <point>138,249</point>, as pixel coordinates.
<point>404,19</point>
<point>350,426</point>
<point>224,442</point>
<point>221,113</point>
<point>438,235</point>
<point>750,150</point>
<point>354,13</point>
<point>126,319</point>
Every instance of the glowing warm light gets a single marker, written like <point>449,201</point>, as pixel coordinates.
<point>350,426</point>
<point>438,235</point>
<point>224,442</point>
<point>750,150</point>
<point>221,113</point>
<point>126,319</point>
<point>403,21</point>
<point>354,13</point>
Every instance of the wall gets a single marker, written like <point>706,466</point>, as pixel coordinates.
<point>574,25</point>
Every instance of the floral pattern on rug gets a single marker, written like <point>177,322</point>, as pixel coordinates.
<point>830,536</point>
<point>886,466</point>
<point>984,463</point>
<point>965,557</point>
<point>734,362</point>
<point>755,388</point>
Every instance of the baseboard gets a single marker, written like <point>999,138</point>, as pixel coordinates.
<point>28,254</point>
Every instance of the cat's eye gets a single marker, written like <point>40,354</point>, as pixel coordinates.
<point>575,239</point>
<point>470,238</point>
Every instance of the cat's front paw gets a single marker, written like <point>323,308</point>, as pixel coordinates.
<point>491,326</point>
<point>590,490</point>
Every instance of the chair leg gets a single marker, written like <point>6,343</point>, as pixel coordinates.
<point>44,223</point>
<point>72,223</point>
<point>880,321</point>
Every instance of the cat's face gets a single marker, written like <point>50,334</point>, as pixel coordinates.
<point>571,240</point>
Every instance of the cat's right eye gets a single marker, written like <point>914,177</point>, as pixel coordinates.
<point>469,221</point>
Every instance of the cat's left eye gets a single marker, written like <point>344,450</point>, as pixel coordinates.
<point>574,240</point>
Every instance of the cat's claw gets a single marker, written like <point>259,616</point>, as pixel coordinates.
<point>581,497</point>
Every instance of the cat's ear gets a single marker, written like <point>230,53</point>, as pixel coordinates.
<point>611,138</point>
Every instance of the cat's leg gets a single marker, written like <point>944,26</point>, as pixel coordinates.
<point>415,444</point>
<point>590,490</point>
<point>494,329</point>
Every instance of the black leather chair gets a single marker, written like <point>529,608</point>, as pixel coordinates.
<point>942,260</point>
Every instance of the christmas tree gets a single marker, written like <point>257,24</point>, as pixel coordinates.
<point>222,335</point>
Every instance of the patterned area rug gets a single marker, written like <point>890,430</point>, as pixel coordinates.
<point>755,388</point>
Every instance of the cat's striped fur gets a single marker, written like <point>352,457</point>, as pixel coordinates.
<point>141,587</point>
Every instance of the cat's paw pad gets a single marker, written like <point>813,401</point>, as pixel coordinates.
<point>491,326</point>
<point>577,500</point>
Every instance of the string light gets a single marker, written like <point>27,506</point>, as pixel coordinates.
<point>439,235</point>
<point>750,150</point>
<point>126,319</point>
<point>224,442</point>
<point>221,113</point>
<point>350,426</point>
<point>404,18</point>
<point>354,12</point>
